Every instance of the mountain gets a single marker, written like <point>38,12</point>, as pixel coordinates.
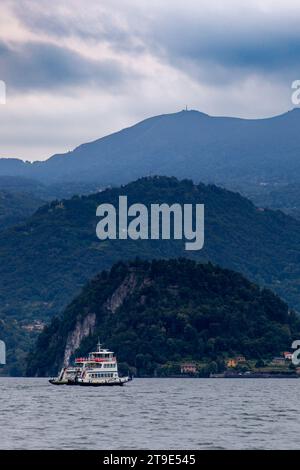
<point>23,185</point>
<point>16,207</point>
<point>46,192</point>
<point>285,197</point>
<point>188,144</point>
<point>20,197</point>
<point>46,261</point>
<point>166,311</point>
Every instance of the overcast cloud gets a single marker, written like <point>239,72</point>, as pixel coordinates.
<point>77,70</point>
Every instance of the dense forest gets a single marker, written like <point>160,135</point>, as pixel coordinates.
<point>156,314</point>
<point>46,261</point>
<point>15,208</point>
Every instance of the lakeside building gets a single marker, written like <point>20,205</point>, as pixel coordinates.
<point>188,368</point>
<point>234,361</point>
<point>278,361</point>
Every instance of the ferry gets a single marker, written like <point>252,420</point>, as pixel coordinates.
<point>99,368</point>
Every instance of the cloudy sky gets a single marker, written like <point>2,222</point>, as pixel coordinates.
<point>76,70</point>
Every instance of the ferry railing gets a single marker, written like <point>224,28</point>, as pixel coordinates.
<point>97,359</point>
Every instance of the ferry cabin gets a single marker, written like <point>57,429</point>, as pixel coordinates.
<point>99,365</point>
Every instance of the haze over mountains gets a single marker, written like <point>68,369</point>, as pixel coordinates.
<point>187,144</point>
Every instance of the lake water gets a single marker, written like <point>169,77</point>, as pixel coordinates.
<point>151,414</point>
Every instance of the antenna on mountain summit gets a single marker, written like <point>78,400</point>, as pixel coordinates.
<point>186,108</point>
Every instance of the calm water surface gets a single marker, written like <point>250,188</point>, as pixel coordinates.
<point>151,414</point>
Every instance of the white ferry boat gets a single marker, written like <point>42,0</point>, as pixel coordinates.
<point>98,369</point>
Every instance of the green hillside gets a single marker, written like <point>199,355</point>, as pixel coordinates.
<point>153,314</point>
<point>46,261</point>
<point>15,208</point>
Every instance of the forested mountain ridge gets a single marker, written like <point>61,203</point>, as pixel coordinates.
<point>153,314</point>
<point>46,261</point>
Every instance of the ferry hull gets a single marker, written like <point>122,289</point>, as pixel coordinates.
<point>120,382</point>
<point>58,382</point>
<point>86,384</point>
